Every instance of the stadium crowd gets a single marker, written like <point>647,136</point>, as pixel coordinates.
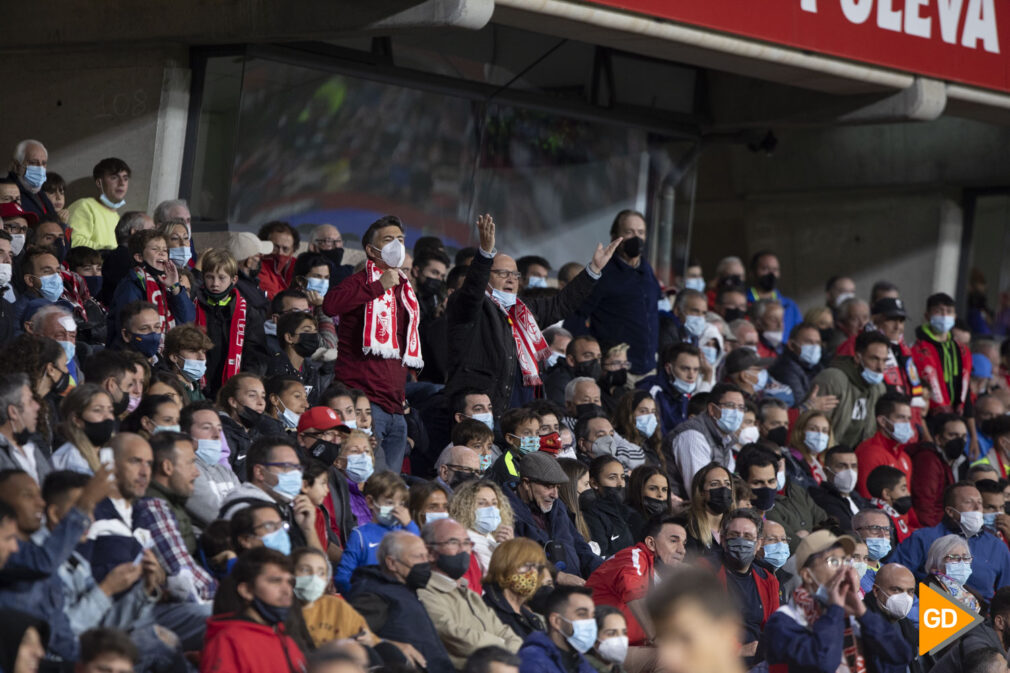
<point>286,456</point>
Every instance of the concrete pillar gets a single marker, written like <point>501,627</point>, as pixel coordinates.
<point>948,247</point>
<point>170,135</point>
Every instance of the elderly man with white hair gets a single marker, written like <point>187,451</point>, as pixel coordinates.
<point>327,241</point>
<point>28,168</point>
<point>456,465</point>
<point>56,322</point>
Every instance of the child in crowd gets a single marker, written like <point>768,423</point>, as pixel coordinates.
<point>888,487</point>
<point>316,485</point>
<point>477,436</point>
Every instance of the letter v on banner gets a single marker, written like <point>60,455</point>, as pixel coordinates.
<point>941,620</point>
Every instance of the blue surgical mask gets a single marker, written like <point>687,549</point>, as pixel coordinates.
<point>385,516</point>
<point>959,572</point>
<point>107,202</point>
<point>815,441</point>
<point>180,256</point>
<point>52,286</point>
<point>683,386</point>
<point>695,325</point>
<point>289,418</point>
<point>729,420</point>
<point>270,327</point>
<point>486,460</point>
<point>278,541</point>
<point>989,519</point>
<point>194,370</point>
<point>696,284</point>
<point>148,344</point>
<point>646,424</point>
<point>35,176</point>
<point>318,285</point>
<point>166,428</point>
<point>536,281</point>
<point>664,305</point>
<point>487,519</point>
<point>810,354</point>
<point>902,432</point>
<point>583,634</point>
<point>872,377</point>
<point>776,554</point>
<point>486,418</point>
<point>711,354</point>
<point>941,324</point>
<point>359,467</point>
<point>289,484</point>
<point>69,347</point>
<point>762,380</point>
<point>506,299</point>
<point>878,547</point>
<point>822,596</point>
<point>435,516</point>
<point>208,450</point>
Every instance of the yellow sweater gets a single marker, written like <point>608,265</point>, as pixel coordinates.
<point>332,618</point>
<point>92,224</point>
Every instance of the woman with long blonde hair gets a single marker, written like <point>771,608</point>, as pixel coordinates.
<point>485,512</point>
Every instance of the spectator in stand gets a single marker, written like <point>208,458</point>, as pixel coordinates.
<point>253,639</point>
<point>277,268</point>
<point>355,465</point>
<point>242,401</point>
<point>377,347</point>
<point>512,578</point>
<point>887,446</point>
<point>990,568</point>
<point>636,419</point>
<point>214,481</point>
<point>985,408</point>
<point>851,320</point>
<point>28,171</point>
<point>623,308</point>
<point>790,506</point>
<point>428,502</point>
<point>571,632</point>
<point>800,361</point>
<point>327,617</point>
<point>298,337</point>
<point>672,387</point>
<point>483,510</point>
<point>711,496</point>
<point>247,250</point>
<point>997,429</point>
<point>603,506</point>
<point>948,568</point>
<point>811,633</point>
<point>708,437</point>
<point>173,479</point>
<point>766,272</point>
<point>88,425</point>
<point>582,358</point>
<point>888,317</point>
<point>892,597</point>
<point>520,429</point>
<point>185,354</point>
<point>557,339</point>
<point>578,483</point>
<point>945,365</point>
<point>107,650</point>
<point>611,647</point>
<point>731,303</point>
<point>689,322</point>
<point>92,221</point>
<point>837,290</point>
<point>837,495</point>
<point>455,466</point>
<point>877,532</point>
<point>19,414</point>
<point>888,489</point>
<point>932,464</point>
<point>118,262</point>
<point>494,339</point>
<point>767,317</point>
<point>857,382</point>
<point>287,401</point>
<point>541,517</point>
<point>386,596</point>
<point>992,506</point>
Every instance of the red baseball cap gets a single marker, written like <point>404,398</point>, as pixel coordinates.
<point>321,418</point>
<point>12,209</point>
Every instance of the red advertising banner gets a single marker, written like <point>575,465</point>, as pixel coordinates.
<point>962,41</point>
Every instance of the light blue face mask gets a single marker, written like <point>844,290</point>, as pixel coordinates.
<point>35,176</point>
<point>180,256</point>
<point>506,299</point>
<point>696,284</point>
<point>810,354</point>
<point>435,516</point>
<point>318,285</point>
<point>52,286</point>
<point>902,432</point>
<point>695,325</point>
<point>528,445</point>
<point>107,202</point>
<point>664,305</point>
<point>878,547</point>
<point>683,386</point>
<point>289,418</point>
<point>815,441</point>
<point>729,420</point>
<point>385,516</point>
<point>762,380</point>
<point>959,572</point>
<point>487,520</point>
<point>872,377</point>
<point>536,281</point>
<point>270,327</point>
<point>776,554</point>
<point>583,634</point>
<point>70,348</point>
<point>486,460</point>
<point>711,354</point>
<point>278,541</point>
<point>289,484</point>
<point>359,467</point>
<point>208,450</point>
<point>646,424</point>
<point>487,418</point>
<point>989,519</point>
<point>941,324</point>
<point>194,370</point>
<point>166,428</point>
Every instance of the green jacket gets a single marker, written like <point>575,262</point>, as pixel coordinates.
<point>796,510</point>
<point>178,506</point>
<point>853,419</point>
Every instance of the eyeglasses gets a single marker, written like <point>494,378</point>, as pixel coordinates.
<point>329,241</point>
<point>774,540</point>
<point>502,273</point>
<point>454,542</point>
<point>957,558</point>
<point>526,567</point>
<point>835,562</point>
<point>739,536</point>
<point>738,407</point>
<point>271,526</point>
<point>462,468</point>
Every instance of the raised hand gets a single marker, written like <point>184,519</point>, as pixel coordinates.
<point>823,403</point>
<point>485,227</point>
<point>390,278</point>
<point>603,255</point>
<point>171,273</point>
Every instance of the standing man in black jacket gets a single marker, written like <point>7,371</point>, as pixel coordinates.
<point>837,494</point>
<point>495,343</point>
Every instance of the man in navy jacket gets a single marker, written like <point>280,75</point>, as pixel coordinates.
<point>569,611</point>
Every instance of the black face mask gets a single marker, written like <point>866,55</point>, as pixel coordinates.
<point>101,432</point>
<point>583,409</point>
<point>731,281</point>
<point>720,500</point>
<point>460,478</point>
<point>779,435</point>
<point>218,296</point>
<point>654,506</point>
<point>733,313</point>
<point>61,385</point>
<point>612,493</point>
<point>271,614</point>
<point>826,335</point>
<point>60,247</point>
<point>418,576</point>
<point>431,287</point>
<point>764,498</point>
<point>953,449</point>
<point>614,379</point>
<point>590,368</point>
<point>767,282</point>
<point>325,452</point>
<point>248,417</point>
<point>307,344</point>
<point>336,255</point>
<point>22,436</point>
<point>253,273</point>
<point>632,247</point>
<point>902,504</point>
<point>455,566</point>
<point>157,273</point>
<point>120,406</point>
<point>538,603</point>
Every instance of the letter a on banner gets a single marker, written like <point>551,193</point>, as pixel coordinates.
<point>941,620</point>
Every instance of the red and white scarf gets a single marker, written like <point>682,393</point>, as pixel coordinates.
<point>852,658</point>
<point>236,334</point>
<point>380,337</point>
<point>530,343</point>
<point>155,293</point>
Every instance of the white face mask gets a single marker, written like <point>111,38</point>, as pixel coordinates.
<point>17,243</point>
<point>971,522</point>
<point>749,435</point>
<point>845,480</point>
<point>614,650</point>
<point>5,275</point>
<point>393,253</point>
<point>898,605</point>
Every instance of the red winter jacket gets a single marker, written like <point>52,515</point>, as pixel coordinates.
<point>238,645</point>
<point>944,377</point>
<point>932,476</point>
<point>276,274</point>
<point>623,578</point>
<point>880,450</point>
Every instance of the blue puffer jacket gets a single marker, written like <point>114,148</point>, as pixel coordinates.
<point>568,550</point>
<point>362,544</point>
<point>539,654</point>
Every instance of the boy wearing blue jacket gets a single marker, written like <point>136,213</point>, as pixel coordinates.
<point>386,495</point>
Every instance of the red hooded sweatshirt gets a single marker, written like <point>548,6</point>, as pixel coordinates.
<point>238,645</point>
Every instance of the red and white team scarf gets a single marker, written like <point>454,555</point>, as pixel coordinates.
<point>530,343</point>
<point>155,293</point>
<point>380,336</point>
<point>852,657</point>
<point>236,334</point>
